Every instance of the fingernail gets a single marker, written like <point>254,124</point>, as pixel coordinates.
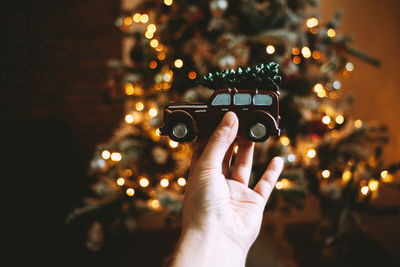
<point>228,120</point>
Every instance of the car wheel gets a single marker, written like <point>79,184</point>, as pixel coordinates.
<point>258,131</point>
<point>181,131</point>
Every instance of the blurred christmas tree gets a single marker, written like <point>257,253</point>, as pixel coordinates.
<point>328,154</point>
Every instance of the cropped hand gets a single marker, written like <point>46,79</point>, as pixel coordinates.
<point>221,215</point>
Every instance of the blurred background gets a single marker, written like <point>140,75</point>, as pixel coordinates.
<point>58,107</point>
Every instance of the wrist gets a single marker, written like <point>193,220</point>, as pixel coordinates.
<point>207,248</point>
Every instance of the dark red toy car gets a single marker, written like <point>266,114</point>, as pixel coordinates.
<point>257,111</point>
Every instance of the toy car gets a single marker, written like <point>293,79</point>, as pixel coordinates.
<point>257,111</point>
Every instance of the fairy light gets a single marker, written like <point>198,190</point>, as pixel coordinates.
<point>155,204</point>
<point>312,22</point>
<point>386,176</point>
<point>139,106</point>
<point>153,112</point>
<point>181,181</point>
<point>128,21</point>
<point>364,190</point>
<point>316,54</point>
<point>291,158</point>
<point>318,88</point>
<point>129,118</point>
<point>282,184</point>
<point>337,84</point>
<point>164,182</point>
<point>144,182</point>
<point>144,18</point>
<point>339,119</point>
<point>105,154</point>
<point>192,75</point>
<point>154,43</point>
<point>173,144</point>
<point>349,66</point>
<point>306,52</point>
<point>373,185</point>
<point>313,30</point>
<point>346,175</point>
<point>321,94</point>
<point>120,181</point>
<point>167,76</point>
<point>284,140</point>
<point>130,192</point>
<point>136,17</point>
<point>168,2</point>
<point>326,174</point>
<point>159,47</point>
<point>178,63</point>
<point>148,35</point>
<point>311,153</point>
<point>153,64</point>
<point>151,28</point>
<point>129,89</point>
<point>296,60</point>
<point>326,120</point>
<point>270,49</point>
<point>279,185</point>
<point>235,149</point>
<point>157,132</point>
<point>295,51</point>
<point>358,123</point>
<point>331,33</point>
<point>161,56</point>
<point>116,156</point>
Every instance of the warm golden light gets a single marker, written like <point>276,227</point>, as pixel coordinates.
<point>127,21</point>
<point>178,63</point>
<point>364,190</point>
<point>296,60</point>
<point>284,140</point>
<point>105,154</point>
<point>161,56</point>
<point>192,75</point>
<point>151,28</point>
<point>279,185</point>
<point>326,119</point>
<point>148,35</point>
<point>144,182</point>
<point>158,132</point>
<point>181,181</point>
<point>312,22</point>
<point>116,156</point>
<point>136,17</point>
<point>346,176</point>
<point>153,64</point>
<point>373,185</point>
<point>129,118</point>
<point>130,192</point>
<point>168,2</point>
<point>318,88</point>
<point>295,51</point>
<point>282,184</point>
<point>316,54</point>
<point>331,33</point>
<point>159,48</point>
<point>129,90</point>
<point>311,153</point>
<point>164,182</point>
<point>235,149</point>
<point>154,43</point>
<point>270,49</point>
<point>155,204</point>
<point>153,112</point>
<point>144,18</point>
<point>139,106</point>
<point>120,181</point>
<point>321,93</point>
<point>326,173</point>
<point>358,123</point>
<point>384,174</point>
<point>349,66</point>
<point>339,119</point>
<point>167,76</point>
<point>173,144</point>
<point>306,52</point>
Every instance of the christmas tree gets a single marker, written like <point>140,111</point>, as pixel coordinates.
<point>327,153</point>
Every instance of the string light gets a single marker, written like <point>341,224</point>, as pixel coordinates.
<point>316,54</point>
<point>136,17</point>
<point>311,22</point>
<point>291,158</point>
<point>311,153</point>
<point>364,190</point>
<point>321,94</point>
<point>295,51</point>
<point>358,123</point>
<point>318,88</point>
<point>167,76</point>
<point>173,144</point>
<point>127,21</point>
<point>235,149</point>
<point>129,90</point>
<point>154,43</point>
<point>282,184</point>
<point>346,176</point>
<point>116,156</point>
<point>192,75</point>
<point>339,119</point>
<point>284,140</point>
<point>181,181</point>
<point>161,56</point>
<point>331,33</point>
<point>144,18</point>
<point>306,52</point>
<point>386,176</point>
<point>139,106</point>
<point>270,49</point>
<point>160,47</point>
<point>337,84</point>
<point>296,60</point>
<point>151,28</point>
<point>153,112</point>
<point>326,119</point>
<point>168,2</point>
<point>314,30</point>
<point>130,192</point>
<point>164,182</point>
<point>105,154</point>
<point>326,174</point>
<point>373,185</point>
<point>155,204</point>
<point>349,66</point>
<point>144,182</point>
<point>129,119</point>
<point>120,181</point>
<point>178,63</point>
<point>153,64</point>
<point>148,35</point>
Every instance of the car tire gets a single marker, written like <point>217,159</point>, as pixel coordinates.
<point>258,131</point>
<point>181,131</point>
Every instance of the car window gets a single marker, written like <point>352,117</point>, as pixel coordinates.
<point>221,99</point>
<point>242,99</point>
<point>262,100</point>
